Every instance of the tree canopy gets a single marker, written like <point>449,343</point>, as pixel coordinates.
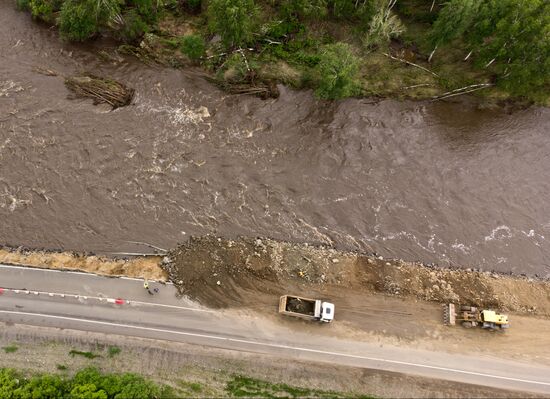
<point>88,383</point>
<point>510,36</point>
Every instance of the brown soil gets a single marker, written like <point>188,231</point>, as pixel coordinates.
<point>143,267</point>
<point>216,272</point>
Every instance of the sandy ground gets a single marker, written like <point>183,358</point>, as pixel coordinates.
<point>43,349</point>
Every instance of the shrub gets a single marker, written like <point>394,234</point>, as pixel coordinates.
<point>44,9</point>
<point>384,25</point>
<point>146,9</point>
<point>193,46</point>
<point>10,348</point>
<point>301,9</point>
<point>133,27</point>
<point>352,9</point>
<point>337,69</point>
<point>113,350</point>
<point>77,21</point>
<point>233,20</point>
<point>89,355</point>
<point>23,5</point>
<point>81,19</point>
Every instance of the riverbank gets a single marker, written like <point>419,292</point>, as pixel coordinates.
<point>302,51</point>
<point>225,273</point>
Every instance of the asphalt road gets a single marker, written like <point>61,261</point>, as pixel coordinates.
<point>87,302</point>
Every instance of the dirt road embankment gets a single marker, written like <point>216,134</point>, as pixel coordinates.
<point>216,272</point>
<point>147,267</point>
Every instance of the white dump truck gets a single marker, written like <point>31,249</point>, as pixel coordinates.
<point>306,308</point>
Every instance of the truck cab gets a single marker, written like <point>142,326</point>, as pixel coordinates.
<point>327,312</point>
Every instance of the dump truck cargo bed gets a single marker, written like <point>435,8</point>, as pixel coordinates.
<point>306,308</point>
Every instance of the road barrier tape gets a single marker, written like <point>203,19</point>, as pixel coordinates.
<point>117,301</point>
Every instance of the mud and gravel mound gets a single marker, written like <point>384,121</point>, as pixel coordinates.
<point>220,272</point>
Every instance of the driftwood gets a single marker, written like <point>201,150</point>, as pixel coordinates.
<point>463,90</point>
<point>248,86</point>
<point>410,63</point>
<point>101,90</point>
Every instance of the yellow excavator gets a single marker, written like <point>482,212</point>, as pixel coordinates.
<point>471,316</point>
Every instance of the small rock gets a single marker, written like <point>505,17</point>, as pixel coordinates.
<point>370,261</point>
<point>381,257</point>
<point>388,264</point>
<point>218,282</point>
<point>335,260</point>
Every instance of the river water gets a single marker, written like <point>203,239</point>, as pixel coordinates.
<point>447,183</point>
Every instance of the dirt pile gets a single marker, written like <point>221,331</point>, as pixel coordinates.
<point>219,272</point>
<point>147,267</point>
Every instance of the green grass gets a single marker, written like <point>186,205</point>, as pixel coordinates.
<point>61,367</point>
<point>88,355</point>
<point>113,351</point>
<point>195,387</point>
<point>10,348</point>
<point>241,386</point>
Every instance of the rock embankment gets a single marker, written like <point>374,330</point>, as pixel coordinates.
<point>217,271</point>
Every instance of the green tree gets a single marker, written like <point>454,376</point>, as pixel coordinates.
<point>510,36</point>
<point>233,20</point>
<point>87,391</point>
<point>42,387</point>
<point>10,380</point>
<point>337,70</point>
<point>454,19</point>
<point>134,386</point>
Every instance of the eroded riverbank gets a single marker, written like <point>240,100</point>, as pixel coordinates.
<point>224,273</point>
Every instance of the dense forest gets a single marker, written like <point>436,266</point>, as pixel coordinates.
<point>340,48</point>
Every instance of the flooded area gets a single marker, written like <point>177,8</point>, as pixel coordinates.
<point>447,183</point>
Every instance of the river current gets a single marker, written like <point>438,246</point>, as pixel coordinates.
<point>448,183</point>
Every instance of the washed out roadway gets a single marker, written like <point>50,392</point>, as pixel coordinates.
<point>82,301</point>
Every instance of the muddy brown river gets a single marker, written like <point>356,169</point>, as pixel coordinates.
<point>447,183</point>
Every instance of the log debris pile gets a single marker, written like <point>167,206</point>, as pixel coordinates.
<point>101,90</point>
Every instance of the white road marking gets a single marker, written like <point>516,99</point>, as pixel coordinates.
<point>279,346</point>
<point>112,300</point>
